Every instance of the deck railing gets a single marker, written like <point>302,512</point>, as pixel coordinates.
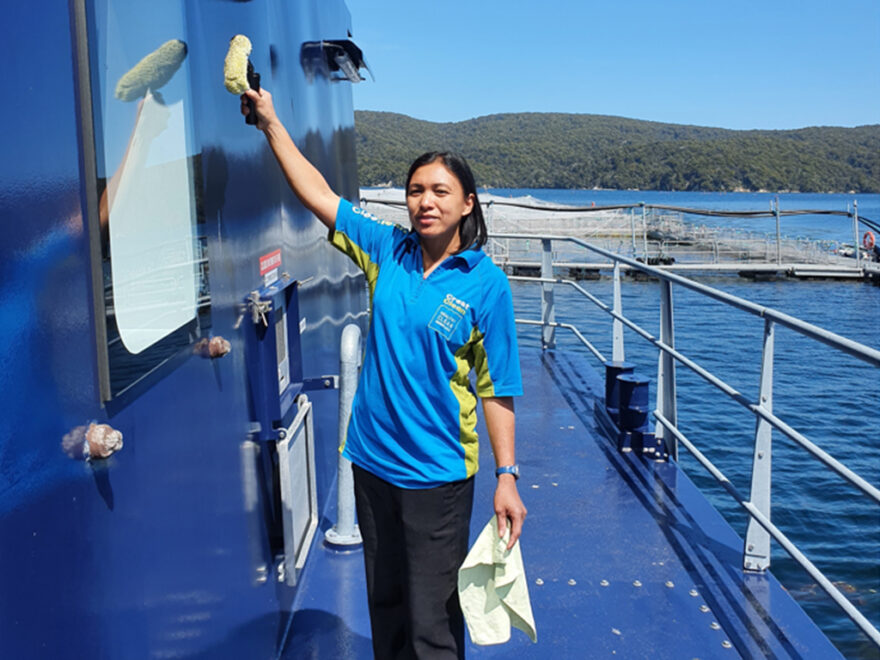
<point>756,552</point>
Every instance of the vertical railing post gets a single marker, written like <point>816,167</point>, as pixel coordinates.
<point>757,547</point>
<point>666,401</point>
<point>644,232</point>
<point>548,313</point>
<point>490,228</point>
<point>617,352</point>
<point>632,227</point>
<point>345,532</point>
<point>778,234</point>
<point>858,254</point>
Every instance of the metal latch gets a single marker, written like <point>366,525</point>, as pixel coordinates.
<point>257,307</point>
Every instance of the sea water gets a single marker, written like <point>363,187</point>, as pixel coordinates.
<point>832,398</point>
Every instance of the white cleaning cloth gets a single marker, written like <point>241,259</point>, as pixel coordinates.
<point>493,591</point>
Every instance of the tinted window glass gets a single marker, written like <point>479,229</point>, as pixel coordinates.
<point>155,272</point>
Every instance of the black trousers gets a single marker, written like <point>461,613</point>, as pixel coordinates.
<point>414,543</point>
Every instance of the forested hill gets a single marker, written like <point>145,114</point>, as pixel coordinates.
<point>548,150</point>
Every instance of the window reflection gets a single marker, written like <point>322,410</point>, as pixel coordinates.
<point>155,271</point>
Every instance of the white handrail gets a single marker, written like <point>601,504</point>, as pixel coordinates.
<point>771,316</point>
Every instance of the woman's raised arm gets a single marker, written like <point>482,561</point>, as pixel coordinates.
<point>307,183</point>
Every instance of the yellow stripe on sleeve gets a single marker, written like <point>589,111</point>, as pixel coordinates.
<point>467,402</point>
<point>360,257</point>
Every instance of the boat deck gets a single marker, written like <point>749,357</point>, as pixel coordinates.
<point>624,556</point>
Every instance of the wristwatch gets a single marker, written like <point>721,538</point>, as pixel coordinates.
<point>508,469</point>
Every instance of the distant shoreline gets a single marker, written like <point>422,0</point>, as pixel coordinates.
<point>595,152</point>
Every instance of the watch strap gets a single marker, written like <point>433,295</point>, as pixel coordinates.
<point>507,469</point>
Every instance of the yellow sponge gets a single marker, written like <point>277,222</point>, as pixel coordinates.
<point>152,71</point>
<point>235,66</point>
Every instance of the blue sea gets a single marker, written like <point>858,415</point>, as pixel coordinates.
<point>833,399</point>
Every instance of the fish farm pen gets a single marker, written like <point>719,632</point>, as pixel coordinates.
<point>668,237</point>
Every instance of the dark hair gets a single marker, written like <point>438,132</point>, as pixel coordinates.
<point>472,230</point>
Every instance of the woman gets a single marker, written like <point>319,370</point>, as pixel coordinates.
<point>440,307</point>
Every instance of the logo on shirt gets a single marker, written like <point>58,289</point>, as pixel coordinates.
<point>369,216</point>
<point>448,315</point>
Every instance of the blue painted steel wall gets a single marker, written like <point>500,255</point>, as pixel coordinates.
<point>150,553</point>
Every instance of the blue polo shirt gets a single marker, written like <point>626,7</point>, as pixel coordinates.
<point>414,414</point>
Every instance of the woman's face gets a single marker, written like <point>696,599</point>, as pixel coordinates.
<point>437,203</point>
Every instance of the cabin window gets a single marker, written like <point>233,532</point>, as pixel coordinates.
<point>154,275</point>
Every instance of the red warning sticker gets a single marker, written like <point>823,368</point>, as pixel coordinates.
<point>269,262</point>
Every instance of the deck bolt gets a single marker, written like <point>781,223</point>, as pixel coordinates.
<point>539,582</point>
<point>726,644</point>
<point>636,583</point>
<point>670,584</point>
<point>571,582</point>
<point>715,626</point>
<point>751,547</point>
<point>615,631</point>
<point>694,593</point>
<point>704,608</point>
<point>604,583</point>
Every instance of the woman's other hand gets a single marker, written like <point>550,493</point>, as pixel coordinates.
<point>509,508</point>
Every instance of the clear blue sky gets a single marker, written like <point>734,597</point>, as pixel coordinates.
<point>769,64</point>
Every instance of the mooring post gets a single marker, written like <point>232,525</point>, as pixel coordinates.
<point>548,314</point>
